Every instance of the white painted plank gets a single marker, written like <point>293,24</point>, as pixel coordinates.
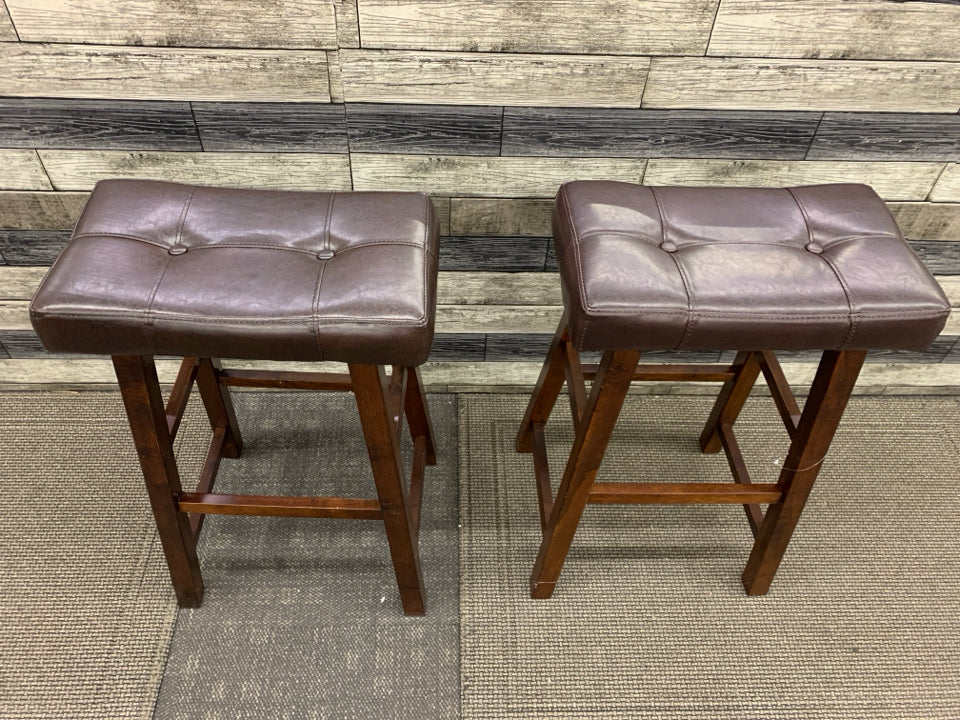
<point>92,71</point>
<point>928,221</point>
<point>20,283</point>
<point>7,31</point>
<point>497,319</point>
<point>30,210</point>
<point>951,286</point>
<point>81,169</point>
<point>753,84</point>
<point>199,23</point>
<point>485,176</point>
<point>947,188</point>
<point>397,76</point>
<point>14,315</point>
<point>22,171</point>
<point>495,288</point>
<point>891,180</point>
<point>348,25</point>
<point>500,216</point>
<point>620,27</point>
<point>842,29</point>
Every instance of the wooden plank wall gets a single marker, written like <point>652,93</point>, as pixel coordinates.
<point>487,105</point>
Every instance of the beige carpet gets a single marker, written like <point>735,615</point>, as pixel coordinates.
<point>649,618</point>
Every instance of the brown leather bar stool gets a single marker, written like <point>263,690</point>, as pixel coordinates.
<point>752,270</point>
<point>202,273</point>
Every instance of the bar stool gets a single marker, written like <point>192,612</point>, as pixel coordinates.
<point>202,273</point>
<point>746,269</point>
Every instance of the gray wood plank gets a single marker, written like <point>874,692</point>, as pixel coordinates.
<point>500,216</point>
<point>947,189</point>
<point>928,221</point>
<point>623,27</point>
<point>29,210</point>
<point>887,136</point>
<point>271,127</point>
<point>238,23</point>
<point>876,29</point>
<point>401,76</point>
<point>22,171</point>
<point>462,347</point>
<point>775,84</point>
<point>424,130</point>
<point>137,73</point>
<point>619,132</point>
<point>942,258</point>
<point>97,124</point>
<point>891,180</point>
<point>81,169</point>
<point>31,247</point>
<point>491,253</point>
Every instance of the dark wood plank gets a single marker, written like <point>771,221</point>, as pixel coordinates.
<point>31,247</point>
<point>499,254</point>
<point>424,129</point>
<point>618,132</point>
<point>464,347</point>
<point>887,136</point>
<point>277,127</point>
<point>281,506</point>
<point>96,124</point>
<point>683,493</point>
<point>941,258</point>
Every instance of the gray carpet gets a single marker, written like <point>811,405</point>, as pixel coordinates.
<point>649,618</point>
<point>301,617</point>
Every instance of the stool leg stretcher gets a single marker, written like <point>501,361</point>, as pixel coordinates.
<point>382,401</point>
<point>595,415</point>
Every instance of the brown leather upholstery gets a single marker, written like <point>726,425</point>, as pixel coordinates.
<point>680,268</point>
<point>159,268</point>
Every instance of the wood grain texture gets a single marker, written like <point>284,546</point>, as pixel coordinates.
<point>90,124</point>
<point>493,288</point>
<point>40,210</point>
<point>271,127</point>
<point>887,136</point>
<point>348,24</point>
<point>20,283</point>
<point>803,85</point>
<point>500,216</point>
<point>462,175</point>
<point>424,130</point>
<point>398,76</point>
<point>871,29</point>
<point>203,23</point>
<point>620,132</point>
<point>493,254</point>
<point>947,188</point>
<point>31,247</point>
<point>81,169</point>
<point>941,258</point>
<point>7,32</point>
<point>99,71</point>
<point>22,171</point>
<point>623,27</point>
<point>335,76</point>
<point>14,315</point>
<point>928,221</point>
<point>462,347</point>
<point>891,180</point>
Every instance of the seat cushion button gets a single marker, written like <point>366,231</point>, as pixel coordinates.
<point>814,248</point>
<point>668,246</point>
<point>177,250</point>
<point>325,254</point>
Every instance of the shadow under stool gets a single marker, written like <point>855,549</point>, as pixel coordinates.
<point>157,268</point>
<point>746,269</point>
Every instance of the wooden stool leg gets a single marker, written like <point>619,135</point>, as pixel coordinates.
<point>548,388</point>
<point>821,415</point>
<point>418,416</point>
<point>733,395</point>
<point>219,406</point>
<point>607,394</point>
<point>140,389</point>
<point>383,445</point>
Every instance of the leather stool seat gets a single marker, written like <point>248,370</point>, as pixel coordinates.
<point>166,269</point>
<point>687,268</point>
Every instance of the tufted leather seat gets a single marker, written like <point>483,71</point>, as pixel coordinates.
<point>167,269</point>
<point>686,268</point>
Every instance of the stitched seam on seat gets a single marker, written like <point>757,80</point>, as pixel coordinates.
<point>562,198</point>
<point>315,305</point>
<point>688,326</point>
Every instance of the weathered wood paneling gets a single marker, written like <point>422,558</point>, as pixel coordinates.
<point>424,130</point>
<point>31,247</point>
<point>99,71</point>
<point>499,216</point>
<point>942,258</point>
<point>947,188</point>
<point>485,176</point>
<point>803,85</point>
<point>617,27</point>
<point>80,170</point>
<point>22,171</point>
<point>887,136</point>
<point>492,253</point>
<point>348,26</point>
<point>7,31</point>
<point>199,23</point>
<point>874,29</point>
<point>928,221</point>
<point>89,124</point>
<point>40,210</point>
<point>497,288</point>
<point>618,132</point>
<point>891,180</point>
<point>272,127</point>
<point>492,78</point>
